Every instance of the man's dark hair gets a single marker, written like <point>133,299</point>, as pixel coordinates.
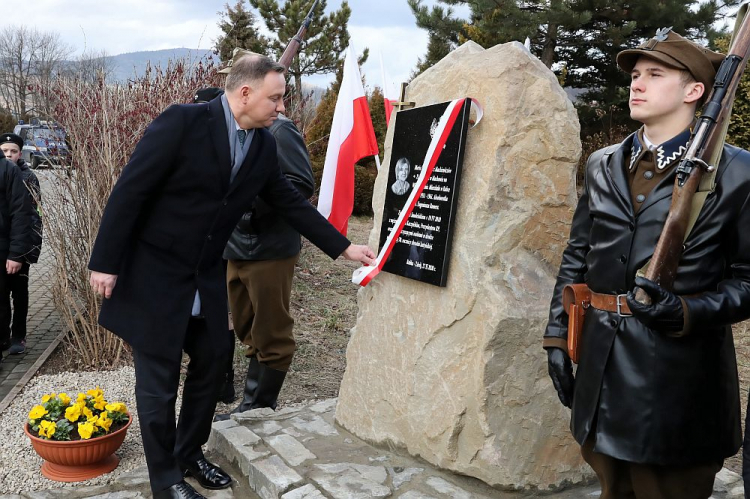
<point>250,70</point>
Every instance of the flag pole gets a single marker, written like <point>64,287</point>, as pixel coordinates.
<point>377,161</point>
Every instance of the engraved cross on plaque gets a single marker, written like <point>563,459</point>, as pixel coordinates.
<point>402,104</point>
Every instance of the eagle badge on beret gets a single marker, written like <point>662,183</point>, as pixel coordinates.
<point>662,34</point>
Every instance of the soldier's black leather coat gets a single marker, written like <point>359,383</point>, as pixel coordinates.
<point>653,398</point>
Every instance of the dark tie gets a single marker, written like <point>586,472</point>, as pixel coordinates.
<point>242,134</point>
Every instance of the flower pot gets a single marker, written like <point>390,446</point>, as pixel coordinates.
<point>78,460</point>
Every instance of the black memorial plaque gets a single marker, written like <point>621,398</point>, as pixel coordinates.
<point>422,250</point>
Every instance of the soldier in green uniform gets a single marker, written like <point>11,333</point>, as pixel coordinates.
<point>655,398</point>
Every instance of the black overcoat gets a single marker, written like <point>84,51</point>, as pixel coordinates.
<point>654,398</point>
<point>169,217</point>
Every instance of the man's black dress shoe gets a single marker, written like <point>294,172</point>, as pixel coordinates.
<point>208,474</point>
<point>180,490</point>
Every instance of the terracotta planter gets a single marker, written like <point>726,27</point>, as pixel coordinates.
<point>78,460</point>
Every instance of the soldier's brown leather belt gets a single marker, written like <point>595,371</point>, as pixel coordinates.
<point>611,303</point>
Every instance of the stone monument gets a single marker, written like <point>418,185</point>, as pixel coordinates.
<point>457,375</point>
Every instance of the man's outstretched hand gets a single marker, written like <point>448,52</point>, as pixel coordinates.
<point>102,283</point>
<point>359,253</point>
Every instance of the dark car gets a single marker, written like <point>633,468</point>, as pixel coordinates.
<point>43,144</point>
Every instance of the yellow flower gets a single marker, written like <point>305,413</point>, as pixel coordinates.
<point>97,392</point>
<point>87,412</point>
<point>72,413</point>
<point>116,407</point>
<point>64,398</point>
<point>37,412</point>
<point>81,398</point>
<point>46,397</point>
<point>85,430</point>
<point>104,421</point>
<point>47,429</point>
<point>99,403</point>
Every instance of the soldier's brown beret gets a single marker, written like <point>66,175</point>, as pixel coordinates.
<point>677,52</point>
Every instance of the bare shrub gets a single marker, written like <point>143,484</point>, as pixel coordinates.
<point>103,123</point>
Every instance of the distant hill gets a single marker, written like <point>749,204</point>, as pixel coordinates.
<point>134,63</point>
<point>125,66</point>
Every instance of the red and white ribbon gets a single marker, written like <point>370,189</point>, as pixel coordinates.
<point>364,275</point>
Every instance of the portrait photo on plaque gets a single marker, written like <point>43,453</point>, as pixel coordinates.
<point>422,250</point>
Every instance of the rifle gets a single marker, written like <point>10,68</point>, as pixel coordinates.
<point>296,42</point>
<point>703,154</point>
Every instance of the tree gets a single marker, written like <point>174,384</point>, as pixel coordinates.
<point>238,26</point>
<point>579,38</point>
<point>28,58</point>
<point>326,38</point>
<point>92,66</point>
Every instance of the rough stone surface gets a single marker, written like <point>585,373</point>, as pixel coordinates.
<point>290,449</point>
<point>315,424</point>
<point>738,491</point>
<point>375,474</point>
<point>413,494</point>
<point>349,485</point>
<point>307,492</point>
<point>457,375</point>
<point>271,477</point>
<point>726,480</point>
<point>402,476</point>
<point>448,489</point>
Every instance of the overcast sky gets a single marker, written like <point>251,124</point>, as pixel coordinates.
<point>120,26</point>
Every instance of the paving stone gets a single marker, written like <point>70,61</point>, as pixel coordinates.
<point>324,406</point>
<point>218,494</point>
<point>372,473</point>
<point>135,478</point>
<point>292,432</point>
<point>401,476</point>
<point>246,454</point>
<point>253,415</point>
<point>44,494</point>
<point>11,497</point>
<point>413,494</point>
<point>271,477</point>
<point>725,480</point>
<point>447,488</point>
<point>316,425</point>
<point>738,491</point>
<point>223,425</point>
<point>123,494</point>
<point>349,485</point>
<point>239,435</point>
<point>285,412</point>
<point>290,449</point>
<point>236,444</point>
<point>307,492</point>
<point>268,428</point>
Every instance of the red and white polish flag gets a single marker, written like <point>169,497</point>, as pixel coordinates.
<point>352,138</point>
<point>390,92</point>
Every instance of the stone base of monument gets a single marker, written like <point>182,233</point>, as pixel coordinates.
<point>300,453</point>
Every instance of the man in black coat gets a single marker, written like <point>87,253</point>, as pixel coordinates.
<point>16,213</point>
<point>18,283</point>
<point>157,257</point>
<point>655,402</point>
